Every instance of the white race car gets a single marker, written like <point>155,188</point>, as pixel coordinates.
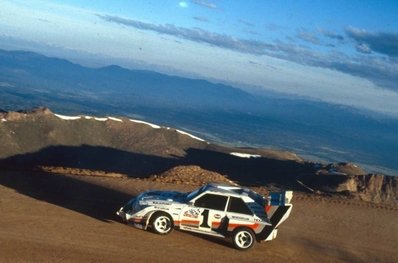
<point>217,210</point>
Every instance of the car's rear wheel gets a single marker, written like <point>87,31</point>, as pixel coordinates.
<point>243,238</point>
<point>162,223</point>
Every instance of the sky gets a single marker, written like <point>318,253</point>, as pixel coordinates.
<point>341,52</point>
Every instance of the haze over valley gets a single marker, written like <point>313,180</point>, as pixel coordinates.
<point>218,112</point>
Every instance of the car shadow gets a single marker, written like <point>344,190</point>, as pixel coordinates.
<point>244,171</point>
<point>225,242</point>
<point>250,171</point>
<point>101,202</point>
<point>68,192</point>
<point>89,157</point>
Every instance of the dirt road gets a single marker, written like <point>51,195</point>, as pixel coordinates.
<point>54,218</point>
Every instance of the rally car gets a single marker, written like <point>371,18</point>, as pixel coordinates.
<point>214,209</point>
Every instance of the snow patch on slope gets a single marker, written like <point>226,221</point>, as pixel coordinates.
<point>190,135</point>
<point>245,155</point>
<point>3,120</point>
<point>147,123</point>
<point>69,118</point>
<point>100,119</point>
<point>72,118</point>
<point>64,117</point>
<point>115,119</point>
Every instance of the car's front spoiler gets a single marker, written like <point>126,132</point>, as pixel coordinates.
<point>122,215</point>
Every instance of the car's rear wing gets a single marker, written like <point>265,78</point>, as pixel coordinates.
<point>280,198</point>
<point>277,199</point>
<point>278,210</point>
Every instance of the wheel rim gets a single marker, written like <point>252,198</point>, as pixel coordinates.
<point>243,239</point>
<point>162,224</point>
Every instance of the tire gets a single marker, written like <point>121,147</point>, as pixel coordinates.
<point>161,223</point>
<point>243,238</point>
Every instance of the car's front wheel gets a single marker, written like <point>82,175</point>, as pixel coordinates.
<point>162,223</point>
<point>243,238</point>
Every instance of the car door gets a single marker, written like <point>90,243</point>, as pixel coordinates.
<point>206,214</point>
<point>240,215</point>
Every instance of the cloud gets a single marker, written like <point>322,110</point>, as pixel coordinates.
<point>308,37</point>
<point>331,35</point>
<point>201,19</point>
<point>205,4</point>
<point>363,48</point>
<point>246,23</point>
<point>383,72</point>
<point>252,32</point>
<point>254,63</point>
<point>274,27</point>
<point>197,35</point>
<point>298,54</point>
<point>380,71</point>
<point>380,42</point>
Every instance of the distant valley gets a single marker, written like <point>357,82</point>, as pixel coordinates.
<point>216,112</point>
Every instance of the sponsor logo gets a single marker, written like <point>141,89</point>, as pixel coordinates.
<point>161,208</point>
<point>217,216</point>
<point>240,218</point>
<point>160,203</point>
<point>193,213</point>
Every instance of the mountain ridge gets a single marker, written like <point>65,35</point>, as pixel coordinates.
<point>217,112</point>
<point>119,145</point>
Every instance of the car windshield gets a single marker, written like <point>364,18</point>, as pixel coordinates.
<point>193,194</point>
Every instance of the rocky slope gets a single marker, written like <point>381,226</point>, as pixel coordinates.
<point>350,179</point>
<point>121,147</point>
<point>192,175</point>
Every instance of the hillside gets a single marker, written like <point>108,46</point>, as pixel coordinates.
<point>89,145</point>
<point>61,217</point>
<point>63,177</point>
<point>137,148</point>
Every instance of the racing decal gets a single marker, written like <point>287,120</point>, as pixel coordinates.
<point>189,228</point>
<point>198,230</point>
<point>160,203</point>
<point>162,208</point>
<point>194,223</point>
<point>193,213</point>
<point>231,227</point>
<point>205,215</point>
<point>278,215</point>
<point>215,224</point>
<point>136,220</point>
<point>240,218</point>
